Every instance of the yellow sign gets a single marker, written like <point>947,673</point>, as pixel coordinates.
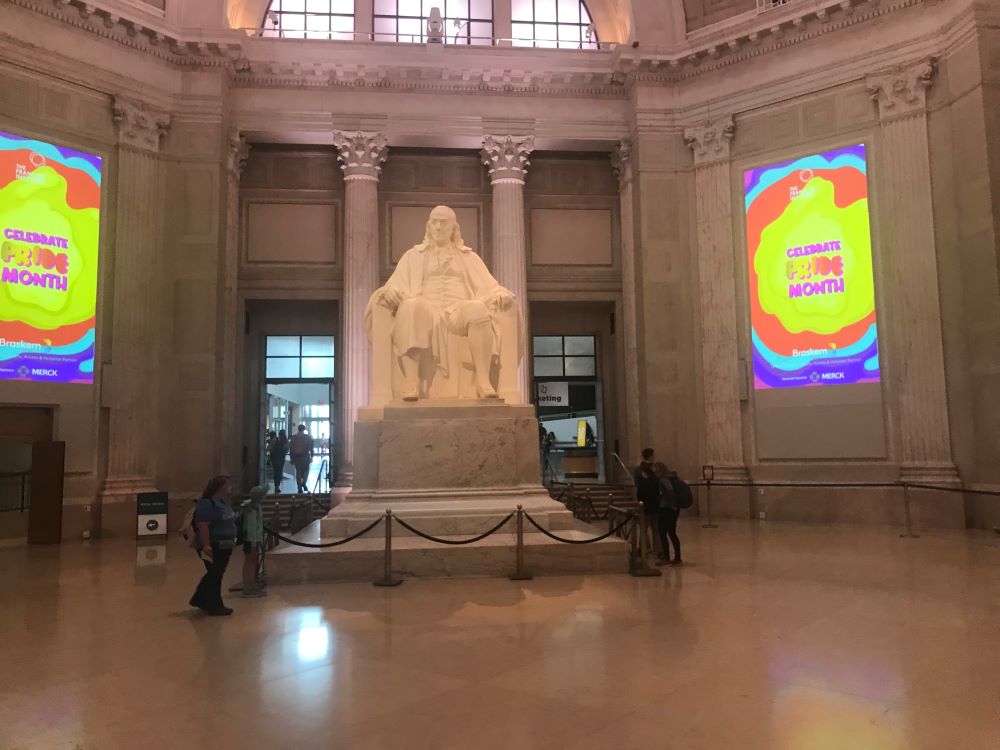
<point>581,433</point>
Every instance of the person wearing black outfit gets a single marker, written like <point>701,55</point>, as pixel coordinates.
<point>277,449</point>
<point>666,519</point>
<point>215,527</point>
<point>647,488</point>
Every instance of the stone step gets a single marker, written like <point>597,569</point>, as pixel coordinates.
<point>414,557</point>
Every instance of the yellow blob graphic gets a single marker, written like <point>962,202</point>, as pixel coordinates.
<point>39,205</point>
<point>811,218</point>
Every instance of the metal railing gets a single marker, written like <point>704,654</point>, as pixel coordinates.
<point>765,5</point>
<point>15,491</point>
<point>455,40</point>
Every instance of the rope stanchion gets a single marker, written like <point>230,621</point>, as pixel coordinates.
<point>387,580</point>
<point>642,569</point>
<point>453,542</point>
<point>520,574</point>
<point>564,540</point>
<point>325,545</point>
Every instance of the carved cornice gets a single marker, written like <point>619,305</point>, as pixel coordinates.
<point>710,142</point>
<point>361,154</point>
<point>237,153</point>
<point>506,157</point>
<point>139,34</point>
<point>139,126</point>
<point>902,92</point>
<point>621,162</point>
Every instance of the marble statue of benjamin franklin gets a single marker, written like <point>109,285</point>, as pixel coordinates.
<point>440,292</point>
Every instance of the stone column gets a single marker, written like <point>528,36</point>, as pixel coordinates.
<point>710,144</point>
<point>128,386</point>
<point>361,156</point>
<point>229,377</point>
<point>507,160</point>
<point>911,332</point>
<point>621,164</point>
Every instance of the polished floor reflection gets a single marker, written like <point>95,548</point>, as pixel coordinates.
<point>774,637</point>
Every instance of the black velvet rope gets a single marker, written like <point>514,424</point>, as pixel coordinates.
<point>454,542</point>
<point>564,540</point>
<point>324,545</point>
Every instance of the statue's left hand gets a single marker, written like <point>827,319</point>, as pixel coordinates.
<point>502,300</point>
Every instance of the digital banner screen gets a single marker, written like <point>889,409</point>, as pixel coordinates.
<point>812,289</point>
<point>50,204</point>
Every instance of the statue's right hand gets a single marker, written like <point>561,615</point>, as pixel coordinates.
<point>391,297</point>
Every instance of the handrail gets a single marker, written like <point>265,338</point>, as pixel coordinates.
<point>625,469</point>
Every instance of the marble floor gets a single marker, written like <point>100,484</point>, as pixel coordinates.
<point>774,637</point>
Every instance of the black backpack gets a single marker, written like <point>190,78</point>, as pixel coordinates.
<point>683,497</point>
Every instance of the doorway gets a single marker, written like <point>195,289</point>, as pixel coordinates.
<point>298,389</point>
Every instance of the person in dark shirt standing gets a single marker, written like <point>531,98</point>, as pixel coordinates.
<point>647,491</point>
<point>277,449</point>
<point>666,520</point>
<point>215,527</point>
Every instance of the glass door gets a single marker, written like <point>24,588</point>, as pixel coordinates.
<point>299,392</point>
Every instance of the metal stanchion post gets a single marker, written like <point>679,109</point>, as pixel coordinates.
<point>387,579</point>
<point>908,534</point>
<point>520,574</point>
<point>708,507</point>
<point>643,570</point>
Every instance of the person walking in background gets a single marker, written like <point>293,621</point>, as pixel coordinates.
<point>215,527</point>
<point>277,449</point>
<point>301,451</point>
<point>666,519</point>
<point>647,492</point>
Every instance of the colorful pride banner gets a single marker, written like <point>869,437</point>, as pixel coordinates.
<point>50,205</point>
<point>812,290</point>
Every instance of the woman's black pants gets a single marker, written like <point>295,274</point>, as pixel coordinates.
<point>666,525</point>
<point>208,595</point>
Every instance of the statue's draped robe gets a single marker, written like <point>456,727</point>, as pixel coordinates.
<point>408,280</point>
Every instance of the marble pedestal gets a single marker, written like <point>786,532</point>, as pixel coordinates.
<point>446,467</point>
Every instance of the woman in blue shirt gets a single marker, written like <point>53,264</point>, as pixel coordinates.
<point>215,527</point>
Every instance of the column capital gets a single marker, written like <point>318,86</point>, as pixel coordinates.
<point>361,154</point>
<point>621,162</point>
<point>237,152</point>
<point>138,125</point>
<point>902,91</point>
<point>506,157</point>
<point>710,141</point>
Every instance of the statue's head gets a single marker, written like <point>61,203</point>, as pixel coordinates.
<point>443,229</point>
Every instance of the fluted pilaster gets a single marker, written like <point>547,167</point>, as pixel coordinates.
<point>506,157</point>
<point>710,144</point>
<point>621,164</point>
<point>237,151</point>
<point>361,156</point>
<point>913,335</point>
<point>131,388</point>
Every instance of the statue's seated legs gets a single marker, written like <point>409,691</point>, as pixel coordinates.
<point>413,331</point>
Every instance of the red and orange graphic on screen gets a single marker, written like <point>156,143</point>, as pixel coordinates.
<point>50,202</point>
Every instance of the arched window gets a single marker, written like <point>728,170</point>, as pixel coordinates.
<point>309,19</point>
<point>552,23</point>
<point>465,21</point>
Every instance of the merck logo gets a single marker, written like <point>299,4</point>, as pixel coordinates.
<point>23,371</point>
